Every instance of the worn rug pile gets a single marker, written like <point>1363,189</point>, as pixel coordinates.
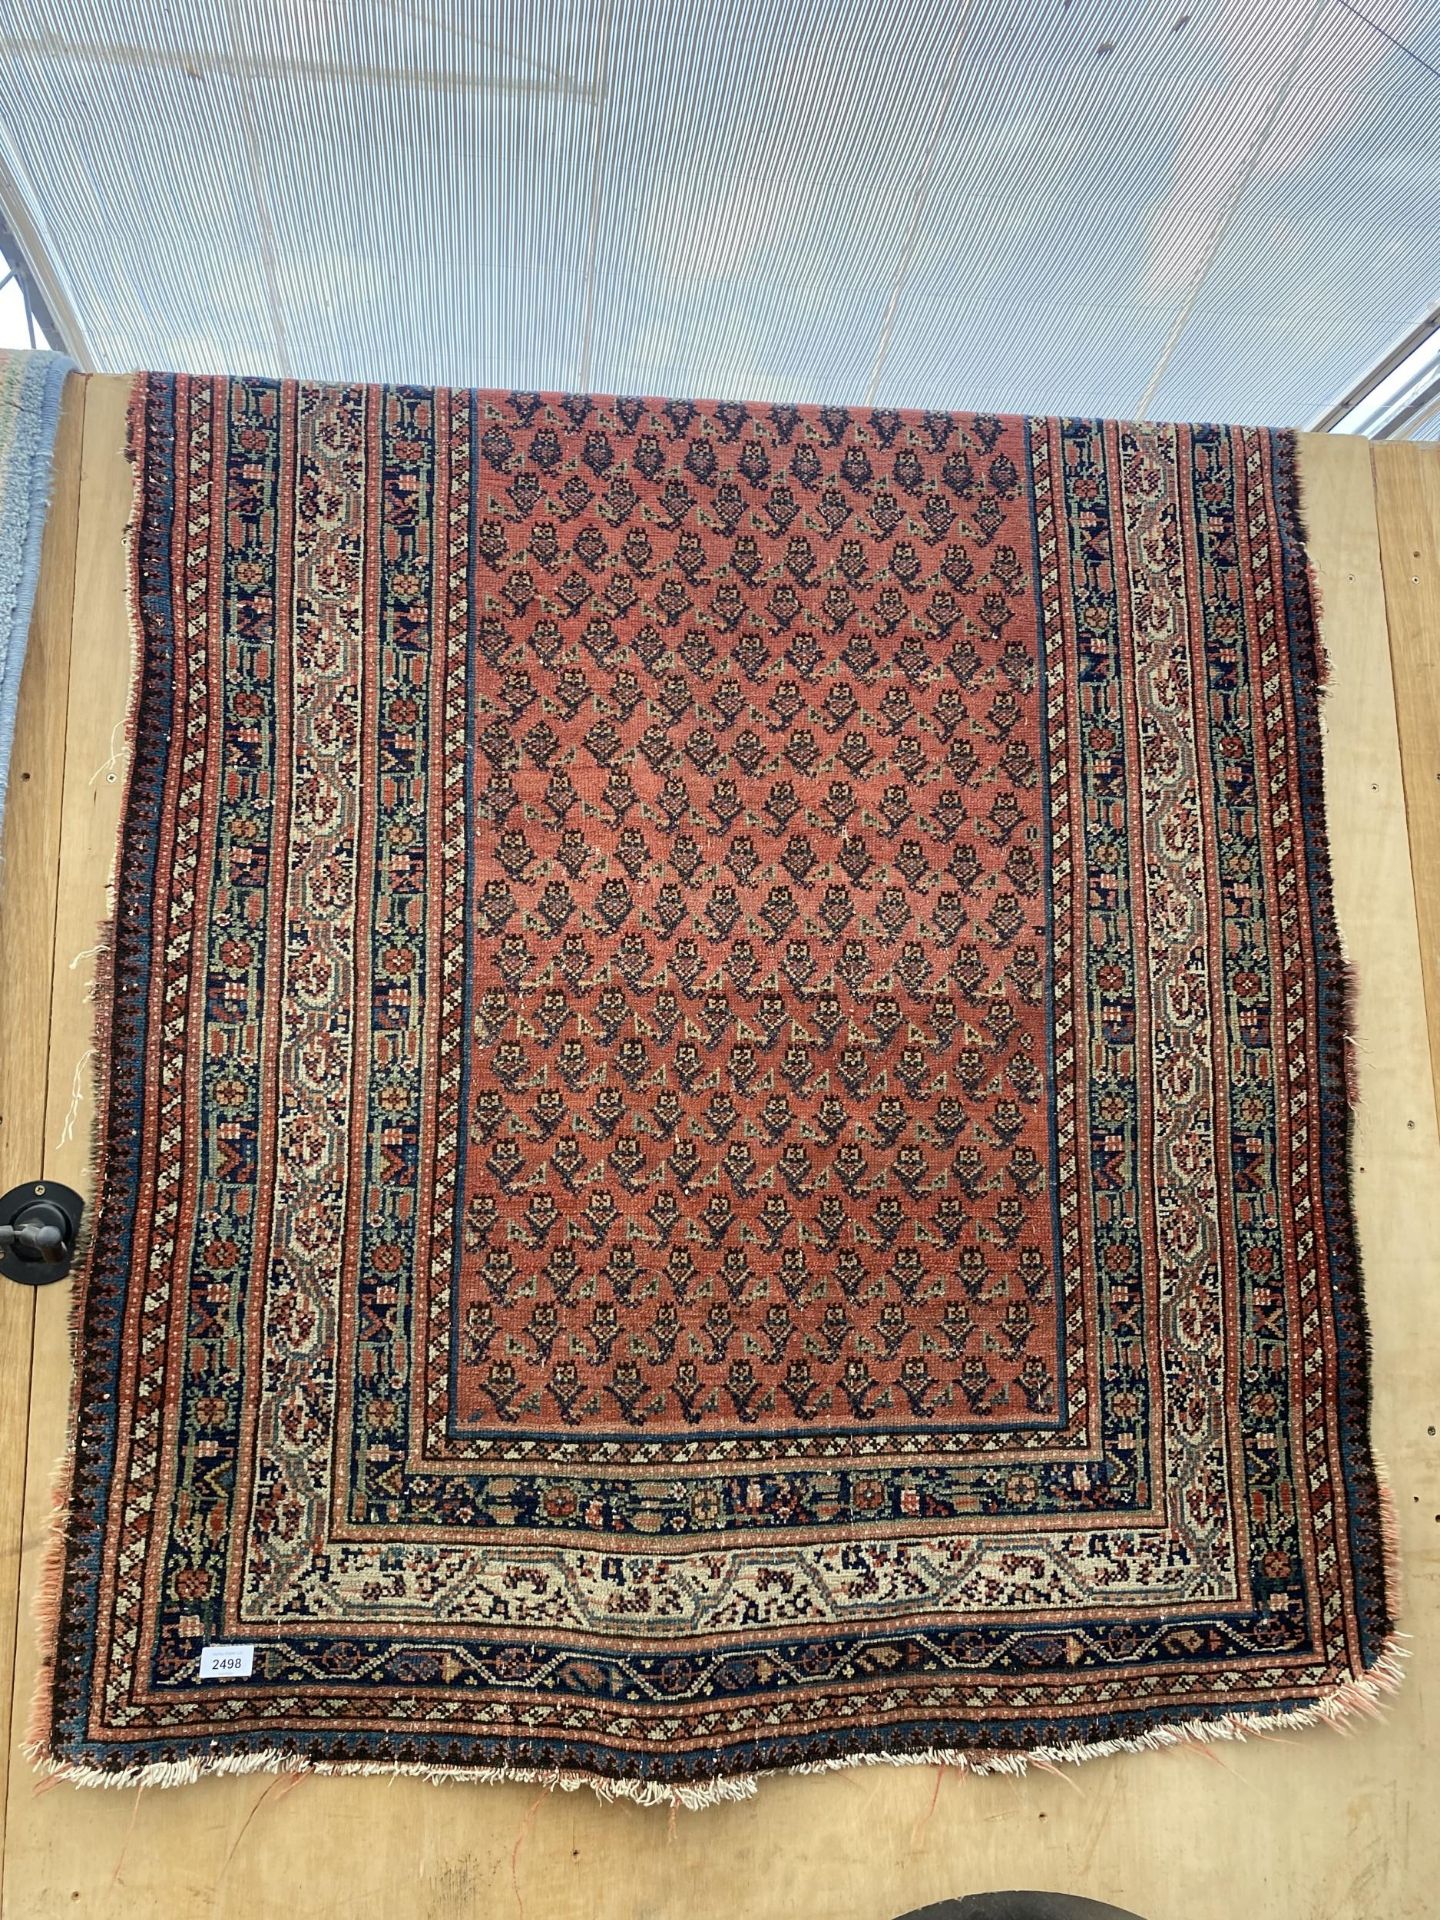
<point>723,1140</point>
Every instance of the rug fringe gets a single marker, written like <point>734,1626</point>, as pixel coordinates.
<point>1357,1694</point>
<point>50,1590</point>
<point>1390,1542</point>
<point>1340,1064</point>
<point>1360,1694</point>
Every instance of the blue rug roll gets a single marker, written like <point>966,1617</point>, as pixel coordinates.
<point>30,385</point>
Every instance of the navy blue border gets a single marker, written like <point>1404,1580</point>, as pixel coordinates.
<point>103,1299</point>
<point>98,1355</point>
<point>1373,1603</point>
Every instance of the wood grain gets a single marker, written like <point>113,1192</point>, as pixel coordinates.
<point>1282,1829</point>
<point>90,706</point>
<point>1407,495</point>
<point>29,873</point>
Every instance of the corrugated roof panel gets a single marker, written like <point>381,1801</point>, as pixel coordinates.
<point>1203,208</point>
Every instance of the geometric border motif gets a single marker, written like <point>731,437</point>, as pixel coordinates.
<point>1171,594</point>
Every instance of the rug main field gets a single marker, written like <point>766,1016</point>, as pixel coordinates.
<point>723,1139</point>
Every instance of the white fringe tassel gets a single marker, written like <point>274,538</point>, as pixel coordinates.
<point>1345,1701</point>
<point>1354,1696</point>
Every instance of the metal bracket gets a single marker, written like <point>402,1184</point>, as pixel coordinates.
<point>39,1223</point>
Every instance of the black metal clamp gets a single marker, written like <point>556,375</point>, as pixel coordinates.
<point>39,1224</point>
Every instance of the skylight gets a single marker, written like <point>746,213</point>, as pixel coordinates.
<point>1196,209</point>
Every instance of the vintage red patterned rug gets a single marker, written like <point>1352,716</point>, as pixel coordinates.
<point>724,1137</point>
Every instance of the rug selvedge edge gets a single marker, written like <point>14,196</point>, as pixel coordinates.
<point>50,1592</point>
<point>1373,1525</point>
<point>1372,1521</point>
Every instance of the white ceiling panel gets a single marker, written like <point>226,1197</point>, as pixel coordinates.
<point>1203,209</point>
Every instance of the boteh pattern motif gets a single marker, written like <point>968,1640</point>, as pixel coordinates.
<point>724,1136</point>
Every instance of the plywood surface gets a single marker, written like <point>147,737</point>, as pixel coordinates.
<point>1407,493</point>
<point>1310,1824</point>
<point>29,877</point>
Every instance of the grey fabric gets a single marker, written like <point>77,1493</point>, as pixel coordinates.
<point>30,385</point>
